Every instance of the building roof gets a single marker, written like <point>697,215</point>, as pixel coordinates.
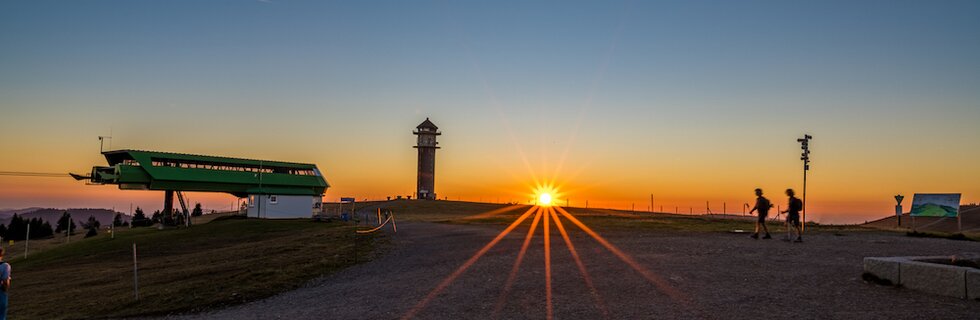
<point>427,124</point>
<point>116,156</point>
<point>154,170</point>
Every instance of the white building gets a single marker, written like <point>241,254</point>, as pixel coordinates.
<point>281,206</point>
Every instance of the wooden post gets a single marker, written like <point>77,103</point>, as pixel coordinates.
<point>27,242</point>
<point>959,221</point>
<point>136,277</point>
<point>354,216</point>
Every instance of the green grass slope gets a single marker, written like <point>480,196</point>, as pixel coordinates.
<point>220,263</point>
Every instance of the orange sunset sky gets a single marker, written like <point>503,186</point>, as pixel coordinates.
<point>612,101</point>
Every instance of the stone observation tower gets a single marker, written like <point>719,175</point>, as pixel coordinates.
<point>427,145</point>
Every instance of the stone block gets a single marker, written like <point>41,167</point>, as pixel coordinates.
<point>885,268</point>
<point>973,284</point>
<point>934,278</point>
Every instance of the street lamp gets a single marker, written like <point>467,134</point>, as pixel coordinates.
<point>805,156</point>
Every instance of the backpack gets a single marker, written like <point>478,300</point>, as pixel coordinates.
<point>797,205</point>
<point>763,204</point>
<point>3,264</point>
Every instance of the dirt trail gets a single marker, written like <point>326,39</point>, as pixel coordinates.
<point>708,275</point>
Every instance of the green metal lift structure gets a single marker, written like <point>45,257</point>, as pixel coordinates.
<point>175,173</point>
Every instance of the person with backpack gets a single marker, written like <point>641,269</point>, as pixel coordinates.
<point>4,285</point>
<point>762,204</point>
<point>793,216</point>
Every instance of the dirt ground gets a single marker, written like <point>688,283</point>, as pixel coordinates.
<point>708,275</point>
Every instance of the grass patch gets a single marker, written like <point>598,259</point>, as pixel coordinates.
<point>210,265</point>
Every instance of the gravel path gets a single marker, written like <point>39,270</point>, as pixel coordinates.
<point>712,275</point>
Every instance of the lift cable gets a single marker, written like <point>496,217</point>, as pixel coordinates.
<point>34,174</point>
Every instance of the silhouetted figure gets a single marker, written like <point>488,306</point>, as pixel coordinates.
<point>793,216</point>
<point>762,205</point>
<point>4,285</point>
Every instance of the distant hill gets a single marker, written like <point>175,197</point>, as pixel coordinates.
<point>52,215</point>
<point>7,213</point>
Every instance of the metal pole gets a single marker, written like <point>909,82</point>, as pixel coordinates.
<point>805,156</point>
<point>803,223</point>
<point>136,277</point>
<point>258,214</point>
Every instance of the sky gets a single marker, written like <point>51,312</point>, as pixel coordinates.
<point>696,103</point>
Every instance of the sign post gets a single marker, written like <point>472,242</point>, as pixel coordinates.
<point>898,208</point>
<point>805,156</point>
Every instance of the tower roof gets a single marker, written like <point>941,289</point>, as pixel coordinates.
<point>427,124</point>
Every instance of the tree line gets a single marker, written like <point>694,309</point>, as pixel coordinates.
<point>17,228</point>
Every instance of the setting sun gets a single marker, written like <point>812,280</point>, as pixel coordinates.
<point>544,199</point>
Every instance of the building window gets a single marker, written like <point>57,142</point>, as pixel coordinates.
<point>273,199</point>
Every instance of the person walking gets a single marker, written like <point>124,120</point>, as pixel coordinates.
<point>4,285</point>
<point>793,216</point>
<point>762,205</point>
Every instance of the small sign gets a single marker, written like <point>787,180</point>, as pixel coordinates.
<point>347,199</point>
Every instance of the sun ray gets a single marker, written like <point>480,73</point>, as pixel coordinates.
<point>581,267</point>
<point>547,267</point>
<point>517,264</point>
<point>466,265</point>
<point>492,213</point>
<point>654,279</point>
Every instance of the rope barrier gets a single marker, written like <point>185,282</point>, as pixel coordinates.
<point>378,227</point>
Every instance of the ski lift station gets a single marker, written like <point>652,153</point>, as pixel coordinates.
<point>271,189</point>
